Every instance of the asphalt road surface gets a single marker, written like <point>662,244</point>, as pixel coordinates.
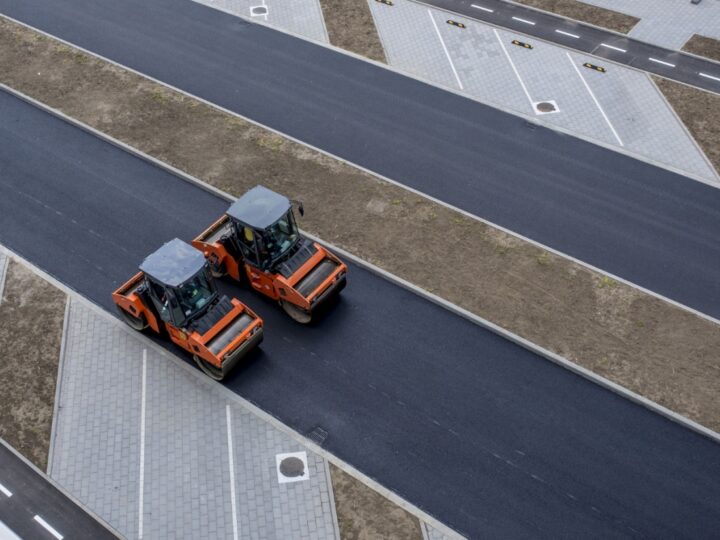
<point>644,224</point>
<point>667,63</point>
<point>26,495</point>
<point>483,434</point>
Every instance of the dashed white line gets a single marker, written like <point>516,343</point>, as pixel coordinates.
<point>5,491</point>
<point>524,21</point>
<point>564,33</point>
<point>660,62</point>
<point>231,460</point>
<point>142,446</point>
<point>47,527</point>
<point>592,95</point>
<point>612,47</point>
<point>447,54</point>
<point>709,76</point>
<point>512,65</point>
<point>482,8</point>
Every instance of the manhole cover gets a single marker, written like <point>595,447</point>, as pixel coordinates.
<point>545,107</point>
<point>292,467</point>
<point>258,10</point>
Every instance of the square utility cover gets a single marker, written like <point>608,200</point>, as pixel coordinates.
<point>292,467</point>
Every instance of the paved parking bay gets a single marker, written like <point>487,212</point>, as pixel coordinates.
<point>158,452</point>
<point>621,107</point>
<point>301,17</point>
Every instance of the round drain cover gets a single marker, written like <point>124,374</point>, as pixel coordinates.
<point>545,107</point>
<point>292,467</point>
<point>259,10</point>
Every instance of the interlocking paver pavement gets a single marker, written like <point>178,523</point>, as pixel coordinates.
<point>3,271</point>
<point>96,449</point>
<point>302,17</point>
<point>404,48</point>
<point>668,23</point>
<point>430,533</point>
<point>187,482</point>
<point>630,112</point>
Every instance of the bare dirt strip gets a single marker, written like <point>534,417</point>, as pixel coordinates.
<point>703,46</point>
<point>31,322</point>
<point>364,514</point>
<point>699,111</point>
<point>350,26</point>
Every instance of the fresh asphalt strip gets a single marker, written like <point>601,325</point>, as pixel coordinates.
<point>483,434</point>
<point>642,223</point>
<point>687,68</point>
<point>36,508</point>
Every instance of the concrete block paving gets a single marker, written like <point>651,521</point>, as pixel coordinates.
<point>301,17</point>
<point>621,107</point>
<point>176,477</point>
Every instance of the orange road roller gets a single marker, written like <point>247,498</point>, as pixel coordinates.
<point>174,293</point>
<point>258,240</point>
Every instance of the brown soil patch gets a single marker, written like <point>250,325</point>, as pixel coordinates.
<point>703,46</point>
<point>351,27</point>
<point>649,346</point>
<point>699,111</point>
<point>31,320</point>
<point>572,9</point>
<point>364,514</point>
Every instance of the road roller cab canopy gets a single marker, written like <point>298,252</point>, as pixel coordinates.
<point>265,226</point>
<point>178,282</point>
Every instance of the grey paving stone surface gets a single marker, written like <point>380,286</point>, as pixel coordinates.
<point>630,112</point>
<point>3,271</point>
<point>96,451</point>
<point>643,119</point>
<point>430,533</point>
<point>302,17</point>
<point>410,41</point>
<point>187,481</point>
<point>668,23</point>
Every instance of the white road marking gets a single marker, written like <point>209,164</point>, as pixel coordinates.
<point>142,445</point>
<point>447,54</point>
<point>232,474</point>
<point>6,491</point>
<point>709,77</point>
<point>564,33</point>
<point>524,20</point>
<point>612,47</point>
<point>512,65</point>
<point>47,526</point>
<point>482,8</point>
<point>592,95</point>
<point>660,62</point>
<point>6,533</point>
